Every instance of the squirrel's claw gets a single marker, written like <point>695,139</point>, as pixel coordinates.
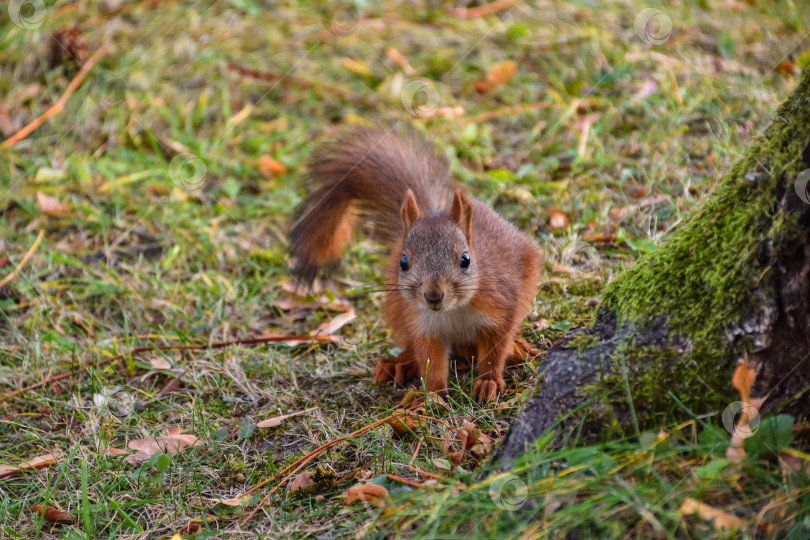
<point>522,351</point>
<point>486,388</point>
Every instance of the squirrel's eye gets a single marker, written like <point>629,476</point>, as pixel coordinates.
<point>465,260</point>
<point>403,263</point>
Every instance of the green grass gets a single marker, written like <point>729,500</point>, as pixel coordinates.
<point>141,259</point>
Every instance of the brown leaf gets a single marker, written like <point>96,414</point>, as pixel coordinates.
<point>371,493</point>
<point>399,59</point>
<point>235,501</point>
<point>269,167</point>
<point>52,514</point>
<point>110,451</point>
<point>278,420</point>
<point>329,328</point>
<point>7,127</point>
<point>35,463</point>
<point>743,379</point>
<point>720,519</point>
<point>468,434</point>
<point>189,529</point>
<point>403,423</point>
<point>302,481</point>
<point>160,363</point>
<point>497,74</point>
<point>171,443</point>
<point>50,206</point>
<point>557,219</point>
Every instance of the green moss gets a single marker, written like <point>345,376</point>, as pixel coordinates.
<point>584,341</point>
<point>704,275</point>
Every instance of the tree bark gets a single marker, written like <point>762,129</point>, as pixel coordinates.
<point>672,327</point>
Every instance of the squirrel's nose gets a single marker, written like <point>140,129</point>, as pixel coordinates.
<point>434,297</point>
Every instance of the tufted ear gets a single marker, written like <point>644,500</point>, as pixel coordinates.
<point>461,212</point>
<point>409,212</point>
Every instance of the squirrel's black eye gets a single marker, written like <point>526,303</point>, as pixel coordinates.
<point>403,263</point>
<point>465,260</point>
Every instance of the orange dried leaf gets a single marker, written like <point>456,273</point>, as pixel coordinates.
<point>302,481</point>
<point>743,379</point>
<point>557,219</point>
<point>269,167</point>
<point>52,514</point>
<point>171,443</point>
<point>51,206</point>
<point>370,493</point>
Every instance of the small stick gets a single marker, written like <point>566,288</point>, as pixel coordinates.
<point>480,11</point>
<point>405,481</point>
<point>299,463</point>
<point>24,259</point>
<point>57,107</point>
<point>217,345</point>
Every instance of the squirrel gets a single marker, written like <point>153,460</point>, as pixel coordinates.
<point>460,278</point>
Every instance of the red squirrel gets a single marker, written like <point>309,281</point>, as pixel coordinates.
<point>460,278</point>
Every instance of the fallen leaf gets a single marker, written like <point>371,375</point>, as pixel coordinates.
<point>35,463</point>
<point>302,481</point>
<point>7,127</point>
<point>743,379</point>
<point>371,493</point>
<point>720,519</point>
<point>541,324</point>
<point>52,514</point>
<point>50,206</point>
<point>110,451</point>
<point>403,423</point>
<point>599,238</point>
<point>170,443</point>
<point>278,420</point>
<point>399,59</point>
<point>468,434</point>
<point>160,363</point>
<point>557,219</point>
<point>358,67</point>
<point>235,501</point>
<point>497,74</point>
<point>269,167</point>
<point>189,529</point>
<point>332,327</point>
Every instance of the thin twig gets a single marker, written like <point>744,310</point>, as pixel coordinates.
<point>57,107</point>
<point>486,9</point>
<point>405,481</point>
<point>24,259</point>
<point>216,345</point>
<point>299,463</point>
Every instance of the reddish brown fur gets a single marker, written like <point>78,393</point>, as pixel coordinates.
<point>481,306</point>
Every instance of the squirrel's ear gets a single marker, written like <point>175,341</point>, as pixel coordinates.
<point>461,212</point>
<point>409,212</point>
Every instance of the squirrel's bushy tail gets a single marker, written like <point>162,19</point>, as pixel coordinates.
<point>363,176</point>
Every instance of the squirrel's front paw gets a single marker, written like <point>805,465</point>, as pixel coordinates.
<point>487,387</point>
<point>400,372</point>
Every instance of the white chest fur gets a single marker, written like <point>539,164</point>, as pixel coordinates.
<point>456,326</point>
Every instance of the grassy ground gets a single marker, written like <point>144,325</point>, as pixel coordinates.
<point>167,229</point>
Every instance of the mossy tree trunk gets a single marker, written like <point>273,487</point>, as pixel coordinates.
<point>671,328</point>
